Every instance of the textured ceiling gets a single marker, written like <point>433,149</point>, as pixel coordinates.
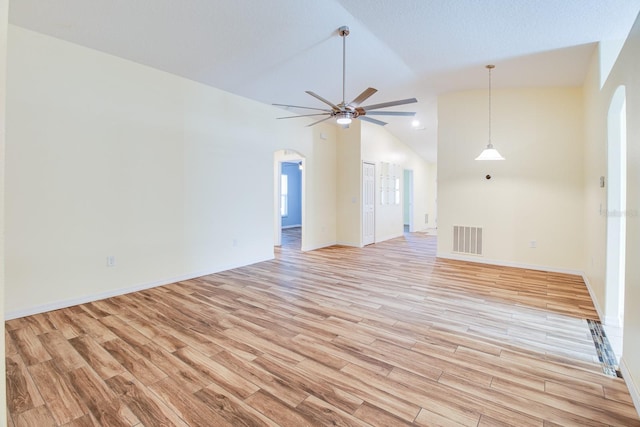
<point>272,51</point>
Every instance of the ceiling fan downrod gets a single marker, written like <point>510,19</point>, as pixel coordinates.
<point>344,32</point>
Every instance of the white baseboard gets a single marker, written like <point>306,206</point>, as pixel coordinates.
<point>595,300</point>
<point>429,230</point>
<point>611,321</point>
<point>320,246</point>
<point>359,245</point>
<point>634,391</point>
<point>350,244</point>
<point>389,237</point>
<point>481,260</point>
<point>56,305</point>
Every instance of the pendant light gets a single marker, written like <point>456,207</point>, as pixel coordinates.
<point>490,153</point>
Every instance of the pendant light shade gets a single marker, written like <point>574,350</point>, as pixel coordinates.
<point>490,153</point>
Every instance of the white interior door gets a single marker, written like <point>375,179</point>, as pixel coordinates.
<point>368,203</point>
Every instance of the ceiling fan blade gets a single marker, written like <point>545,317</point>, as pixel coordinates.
<point>390,104</point>
<point>298,106</point>
<point>391,113</point>
<point>304,115</point>
<point>363,96</point>
<point>319,121</point>
<point>315,95</point>
<point>370,120</point>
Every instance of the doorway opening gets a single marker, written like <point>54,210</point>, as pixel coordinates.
<point>616,217</point>
<point>289,212</point>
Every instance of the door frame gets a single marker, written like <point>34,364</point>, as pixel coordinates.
<point>616,210</point>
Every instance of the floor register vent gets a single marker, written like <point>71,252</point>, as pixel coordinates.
<point>467,240</point>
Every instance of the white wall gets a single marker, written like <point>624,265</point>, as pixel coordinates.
<point>597,102</point>
<point>4,16</point>
<point>535,195</point>
<point>108,157</point>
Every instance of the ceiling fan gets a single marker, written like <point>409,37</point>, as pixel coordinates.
<point>344,112</point>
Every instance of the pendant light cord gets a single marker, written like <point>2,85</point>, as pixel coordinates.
<point>489,103</point>
<point>490,153</point>
<point>490,67</point>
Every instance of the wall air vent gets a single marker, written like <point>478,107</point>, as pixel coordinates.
<point>467,240</point>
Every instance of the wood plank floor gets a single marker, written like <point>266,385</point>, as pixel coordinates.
<point>386,335</point>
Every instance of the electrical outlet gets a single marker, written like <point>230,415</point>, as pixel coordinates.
<point>533,244</point>
<point>111,261</point>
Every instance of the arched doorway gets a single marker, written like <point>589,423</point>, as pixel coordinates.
<point>287,192</point>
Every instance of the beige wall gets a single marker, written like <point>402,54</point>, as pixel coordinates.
<point>349,187</point>
<point>378,146</point>
<point>365,142</point>
<point>4,14</point>
<point>555,200</point>
<point>535,195</point>
<point>319,210</point>
<point>432,196</point>
<point>173,178</point>
<point>595,166</point>
<point>597,102</point>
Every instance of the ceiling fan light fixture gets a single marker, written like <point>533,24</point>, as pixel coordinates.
<point>343,118</point>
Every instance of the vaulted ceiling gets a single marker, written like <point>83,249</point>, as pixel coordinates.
<point>274,50</point>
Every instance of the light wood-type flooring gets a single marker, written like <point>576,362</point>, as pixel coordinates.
<point>385,335</point>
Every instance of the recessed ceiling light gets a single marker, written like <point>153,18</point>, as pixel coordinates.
<point>415,123</point>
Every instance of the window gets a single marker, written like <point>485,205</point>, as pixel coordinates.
<point>284,195</point>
